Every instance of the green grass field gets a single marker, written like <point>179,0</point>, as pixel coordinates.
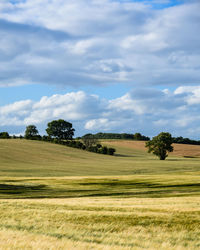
<point>22,158</point>
<point>55,197</point>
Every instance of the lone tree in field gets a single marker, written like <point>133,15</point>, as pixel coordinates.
<point>60,129</point>
<point>160,145</point>
<point>31,132</point>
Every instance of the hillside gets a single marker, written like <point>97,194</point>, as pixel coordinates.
<point>25,158</point>
<point>184,150</point>
<point>95,201</point>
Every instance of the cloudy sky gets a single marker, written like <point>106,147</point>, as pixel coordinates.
<point>104,65</point>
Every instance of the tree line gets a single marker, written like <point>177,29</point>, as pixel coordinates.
<point>182,140</point>
<point>139,137</point>
<point>32,133</point>
<point>125,136</point>
<point>61,132</point>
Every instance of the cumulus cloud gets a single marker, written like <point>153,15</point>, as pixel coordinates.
<point>148,111</point>
<point>191,93</point>
<point>97,42</point>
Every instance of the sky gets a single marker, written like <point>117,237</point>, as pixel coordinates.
<point>119,66</point>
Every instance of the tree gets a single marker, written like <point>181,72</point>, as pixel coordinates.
<point>4,135</point>
<point>31,132</point>
<point>160,145</point>
<point>140,137</point>
<point>137,136</point>
<point>89,140</point>
<point>60,129</point>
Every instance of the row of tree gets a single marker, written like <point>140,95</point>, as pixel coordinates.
<point>182,140</point>
<point>125,136</point>
<point>138,137</point>
<point>59,129</point>
<point>62,132</point>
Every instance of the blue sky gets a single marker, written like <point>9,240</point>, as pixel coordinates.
<point>104,65</point>
<point>161,4</point>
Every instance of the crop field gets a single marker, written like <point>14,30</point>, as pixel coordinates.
<point>100,223</point>
<point>184,150</point>
<point>55,197</point>
<point>22,158</point>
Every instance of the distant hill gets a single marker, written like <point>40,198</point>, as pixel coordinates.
<point>184,150</point>
<point>26,158</point>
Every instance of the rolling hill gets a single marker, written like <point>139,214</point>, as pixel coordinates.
<point>94,201</point>
<point>24,158</point>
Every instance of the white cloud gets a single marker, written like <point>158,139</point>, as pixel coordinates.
<point>21,107</point>
<point>150,42</point>
<point>141,110</point>
<point>73,106</point>
<point>94,42</point>
<point>126,103</point>
<point>192,94</point>
<point>99,42</point>
<point>97,124</point>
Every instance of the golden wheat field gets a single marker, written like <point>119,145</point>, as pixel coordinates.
<point>101,223</point>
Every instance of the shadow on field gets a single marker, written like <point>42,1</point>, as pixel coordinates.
<point>19,189</point>
<point>139,185</point>
<point>123,155</point>
<point>172,159</point>
<point>98,188</point>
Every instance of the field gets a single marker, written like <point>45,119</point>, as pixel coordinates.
<point>55,197</point>
<point>179,149</point>
<point>100,223</point>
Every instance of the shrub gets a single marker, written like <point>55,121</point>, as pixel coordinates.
<point>111,151</point>
<point>55,141</point>
<point>99,145</point>
<point>46,138</point>
<point>83,147</point>
<point>103,150</point>
<point>98,148</point>
<point>79,144</point>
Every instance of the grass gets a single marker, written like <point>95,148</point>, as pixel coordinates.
<point>22,158</point>
<point>143,186</point>
<point>55,197</point>
<point>100,223</point>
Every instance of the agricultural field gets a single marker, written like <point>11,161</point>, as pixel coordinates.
<point>56,197</point>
